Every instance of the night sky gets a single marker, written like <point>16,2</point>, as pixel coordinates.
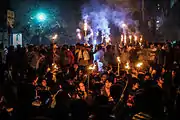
<point>68,11</point>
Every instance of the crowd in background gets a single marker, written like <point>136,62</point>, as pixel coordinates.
<point>30,88</point>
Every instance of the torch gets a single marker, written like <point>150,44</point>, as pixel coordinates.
<point>127,67</point>
<point>130,38</point>
<point>122,38</point>
<point>91,68</point>
<point>135,39</point>
<point>85,28</point>
<point>119,61</point>
<point>54,47</point>
<point>141,39</point>
<point>139,65</point>
<point>125,37</point>
<point>54,66</point>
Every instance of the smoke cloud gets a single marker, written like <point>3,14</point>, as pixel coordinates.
<point>100,16</point>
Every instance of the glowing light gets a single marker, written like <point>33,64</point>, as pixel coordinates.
<point>92,67</point>
<point>108,40</point>
<point>55,67</point>
<point>118,59</point>
<point>78,30</point>
<point>85,26</point>
<point>124,25</point>
<point>130,37</point>
<point>135,38</point>
<point>48,69</point>
<point>41,17</point>
<point>55,37</point>
<point>79,36</point>
<point>139,64</point>
<point>122,38</point>
<point>127,66</point>
<point>94,42</point>
<point>141,39</point>
<point>125,37</point>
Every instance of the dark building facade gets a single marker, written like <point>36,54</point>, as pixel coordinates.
<point>156,12</point>
<point>5,5</point>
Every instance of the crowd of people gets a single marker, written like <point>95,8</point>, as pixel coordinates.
<point>55,82</point>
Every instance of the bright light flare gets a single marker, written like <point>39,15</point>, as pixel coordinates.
<point>108,40</point>
<point>135,38</point>
<point>79,36</point>
<point>130,37</point>
<point>78,30</point>
<point>125,37</point>
<point>139,65</point>
<point>127,66</point>
<point>118,59</point>
<point>122,38</point>
<point>41,17</point>
<point>94,42</point>
<point>55,37</point>
<point>55,67</point>
<point>141,38</point>
<point>85,26</point>
<point>92,67</point>
<point>124,25</point>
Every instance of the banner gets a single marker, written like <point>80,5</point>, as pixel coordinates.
<point>17,39</point>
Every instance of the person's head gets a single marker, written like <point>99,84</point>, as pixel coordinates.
<point>81,86</point>
<point>173,73</point>
<point>81,72</point>
<point>163,70</point>
<point>104,77</point>
<point>44,83</point>
<point>153,72</point>
<point>108,48</point>
<point>147,77</point>
<point>135,84</point>
<point>160,80</point>
<point>75,66</point>
<point>123,74</point>
<point>108,84</point>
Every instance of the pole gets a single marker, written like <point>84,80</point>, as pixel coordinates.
<point>53,50</point>
<point>118,68</point>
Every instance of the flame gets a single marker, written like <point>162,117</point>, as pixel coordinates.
<point>108,40</point>
<point>92,67</point>
<point>85,26</point>
<point>55,37</point>
<point>122,38</point>
<point>79,35</point>
<point>55,67</point>
<point>118,59</point>
<point>139,64</point>
<point>125,37</point>
<point>127,65</point>
<point>135,38</point>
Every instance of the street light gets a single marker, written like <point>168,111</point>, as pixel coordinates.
<point>41,17</point>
